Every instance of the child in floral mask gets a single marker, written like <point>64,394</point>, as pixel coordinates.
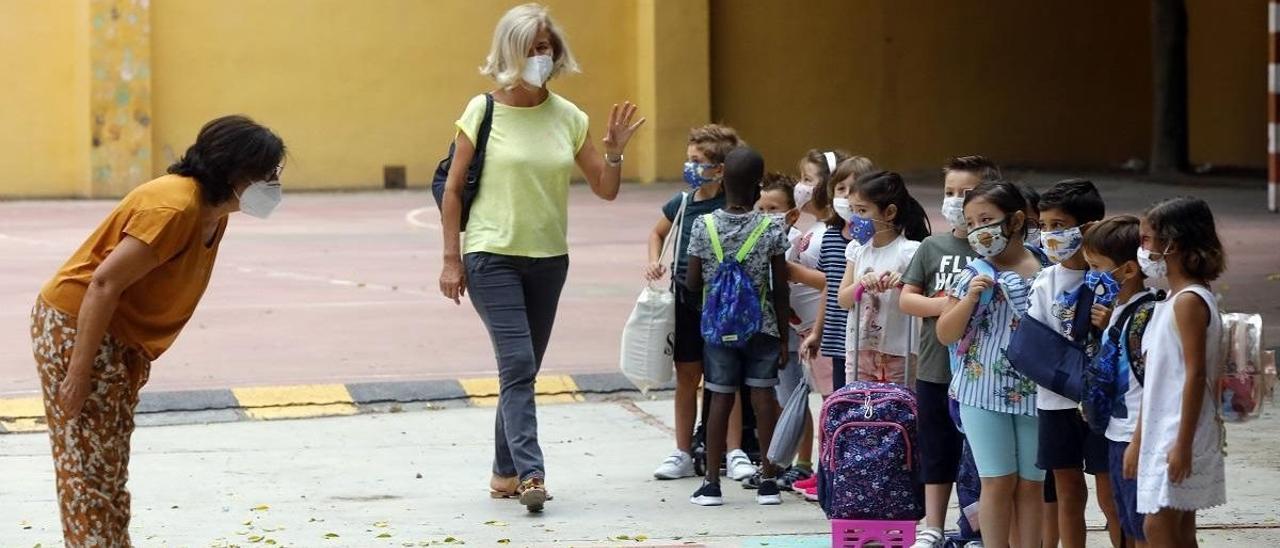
<point>997,404</point>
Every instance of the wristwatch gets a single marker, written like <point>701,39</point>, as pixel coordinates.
<point>612,162</point>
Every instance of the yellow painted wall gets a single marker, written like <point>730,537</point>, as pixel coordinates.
<point>352,86</point>
<point>1042,83</point>
<point>1227,52</point>
<point>44,103</point>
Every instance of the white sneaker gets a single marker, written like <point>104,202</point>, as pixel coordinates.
<point>678,465</point>
<point>739,465</point>
<point>929,537</point>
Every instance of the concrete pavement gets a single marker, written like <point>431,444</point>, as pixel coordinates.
<point>405,479</point>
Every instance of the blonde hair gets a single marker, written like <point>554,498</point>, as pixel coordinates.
<point>514,36</point>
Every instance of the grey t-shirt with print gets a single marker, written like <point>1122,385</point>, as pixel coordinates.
<point>734,228</point>
<point>938,260</point>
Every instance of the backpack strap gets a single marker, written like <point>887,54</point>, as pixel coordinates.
<point>716,247</point>
<point>1080,324</point>
<point>752,239</point>
<point>1121,332</point>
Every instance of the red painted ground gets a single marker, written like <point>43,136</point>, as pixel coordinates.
<point>342,287</point>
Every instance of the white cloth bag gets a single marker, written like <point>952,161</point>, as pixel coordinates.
<point>649,336</point>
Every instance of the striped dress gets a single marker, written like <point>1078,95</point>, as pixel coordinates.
<point>832,263</point>
<point>981,374</point>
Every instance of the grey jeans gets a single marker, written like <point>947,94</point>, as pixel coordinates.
<point>517,297</point>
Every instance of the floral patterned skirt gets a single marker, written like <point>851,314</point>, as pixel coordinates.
<point>91,451</point>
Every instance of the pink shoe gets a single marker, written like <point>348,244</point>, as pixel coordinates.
<point>805,483</point>
<point>811,494</point>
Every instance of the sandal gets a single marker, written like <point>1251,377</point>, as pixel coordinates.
<point>533,494</point>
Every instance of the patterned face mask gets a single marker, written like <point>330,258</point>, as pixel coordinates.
<point>1061,245</point>
<point>1154,268</point>
<point>1104,285</point>
<point>989,240</point>
<point>695,174</point>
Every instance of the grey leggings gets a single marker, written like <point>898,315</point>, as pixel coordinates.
<point>516,297</point>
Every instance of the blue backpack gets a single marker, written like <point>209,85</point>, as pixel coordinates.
<point>731,306</point>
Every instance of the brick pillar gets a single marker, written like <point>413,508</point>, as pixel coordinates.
<point>119,95</point>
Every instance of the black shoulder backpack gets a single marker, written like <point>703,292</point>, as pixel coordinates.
<point>1102,374</point>
<point>470,186</point>
<point>1045,356</point>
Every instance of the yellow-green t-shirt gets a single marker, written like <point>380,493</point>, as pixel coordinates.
<point>522,208</point>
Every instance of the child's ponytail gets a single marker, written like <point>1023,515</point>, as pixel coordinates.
<point>886,188</point>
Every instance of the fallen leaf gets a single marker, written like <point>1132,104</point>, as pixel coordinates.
<point>384,535</point>
<point>622,537</point>
<point>261,508</point>
<point>380,524</point>
<point>641,538</point>
<point>271,541</point>
<point>255,538</point>
<point>330,535</point>
<point>504,541</point>
<point>496,523</point>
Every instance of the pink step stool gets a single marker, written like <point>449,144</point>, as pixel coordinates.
<point>850,533</point>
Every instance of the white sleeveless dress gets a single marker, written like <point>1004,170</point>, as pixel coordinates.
<point>1162,412</point>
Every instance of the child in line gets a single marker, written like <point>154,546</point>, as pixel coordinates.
<point>830,328</point>
<point>997,404</point>
<point>785,199</point>
<point>707,148</point>
<point>887,225</point>
<point>1111,249</point>
<point>1033,230</point>
<point>924,294</point>
<point>1068,448</point>
<point>759,245</point>
<point>1177,450</point>
<point>808,280</point>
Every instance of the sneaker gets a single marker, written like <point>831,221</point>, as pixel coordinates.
<point>739,465</point>
<point>929,537</point>
<point>974,544</point>
<point>792,476</point>
<point>811,494</point>
<point>752,482</point>
<point>768,494</point>
<point>811,481</point>
<point>678,465</point>
<point>707,495</point>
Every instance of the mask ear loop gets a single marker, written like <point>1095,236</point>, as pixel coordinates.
<point>831,162</point>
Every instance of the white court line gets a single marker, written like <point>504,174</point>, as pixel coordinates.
<point>412,218</point>
<point>30,241</point>
<point>297,276</point>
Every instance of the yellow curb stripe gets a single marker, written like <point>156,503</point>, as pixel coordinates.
<point>293,402</point>
<point>15,426</point>
<point>550,389</point>
<point>21,408</point>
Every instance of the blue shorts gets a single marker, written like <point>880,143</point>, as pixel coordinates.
<point>756,365</point>
<point>1126,494</point>
<point>1002,443</point>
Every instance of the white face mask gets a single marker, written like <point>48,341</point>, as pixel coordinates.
<point>1033,237</point>
<point>803,194</point>
<point>1153,268</point>
<point>953,211</point>
<point>261,198</point>
<point>537,69</point>
<point>842,208</point>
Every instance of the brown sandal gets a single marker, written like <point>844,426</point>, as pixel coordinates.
<point>533,494</point>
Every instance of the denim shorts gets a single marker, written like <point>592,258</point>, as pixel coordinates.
<point>1126,493</point>
<point>756,365</point>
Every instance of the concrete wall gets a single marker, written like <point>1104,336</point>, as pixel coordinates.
<point>1060,83</point>
<point>104,94</point>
